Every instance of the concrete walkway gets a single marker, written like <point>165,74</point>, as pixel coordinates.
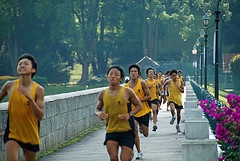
<point>162,145</point>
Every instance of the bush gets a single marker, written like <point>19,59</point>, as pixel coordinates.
<point>95,81</point>
<point>227,129</point>
<point>41,80</point>
<point>235,69</point>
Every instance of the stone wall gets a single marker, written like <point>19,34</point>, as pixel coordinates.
<point>65,117</point>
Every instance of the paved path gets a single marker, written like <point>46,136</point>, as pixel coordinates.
<point>162,145</point>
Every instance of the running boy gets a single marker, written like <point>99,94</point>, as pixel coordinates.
<point>25,110</point>
<point>176,88</point>
<point>114,100</point>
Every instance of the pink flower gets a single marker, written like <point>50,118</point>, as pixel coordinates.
<point>228,123</point>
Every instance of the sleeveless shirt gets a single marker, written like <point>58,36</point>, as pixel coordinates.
<point>153,89</point>
<point>23,125</point>
<point>175,94</point>
<point>140,94</point>
<point>114,106</point>
<point>159,80</point>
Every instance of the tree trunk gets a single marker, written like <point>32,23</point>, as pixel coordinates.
<point>144,39</point>
<point>85,66</point>
<point>150,31</point>
<point>155,38</point>
<point>101,57</point>
<point>13,52</point>
<point>93,34</point>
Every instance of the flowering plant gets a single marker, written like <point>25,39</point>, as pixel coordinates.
<point>227,125</point>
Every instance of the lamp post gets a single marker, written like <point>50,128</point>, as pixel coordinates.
<point>205,23</point>
<point>201,55</point>
<point>198,61</point>
<point>217,12</point>
<point>194,52</point>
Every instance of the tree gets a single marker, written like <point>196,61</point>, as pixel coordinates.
<point>235,69</point>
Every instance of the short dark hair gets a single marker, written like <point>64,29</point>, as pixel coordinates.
<point>118,68</point>
<point>167,72</point>
<point>173,71</point>
<point>149,69</point>
<point>32,59</point>
<point>134,66</point>
<point>179,71</point>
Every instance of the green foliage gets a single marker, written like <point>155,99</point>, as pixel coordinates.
<point>97,33</point>
<point>40,80</point>
<point>235,68</point>
<point>98,81</point>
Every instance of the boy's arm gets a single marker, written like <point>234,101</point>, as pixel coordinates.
<point>135,101</point>
<point>4,90</point>
<point>164,91</point>
<point>36,105</point>
<point>99,107</point>
<point>146,92</point>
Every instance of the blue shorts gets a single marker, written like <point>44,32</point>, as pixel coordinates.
<point>143,120</point>
<point>123,138</point>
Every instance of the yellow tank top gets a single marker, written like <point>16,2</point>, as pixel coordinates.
<point>175,94</point>
<point>181,78</point>
<point>23,124</point>
<point>153,89</point>
<point>114,106</point>
<point>159,80</point>
<point>140,94</point>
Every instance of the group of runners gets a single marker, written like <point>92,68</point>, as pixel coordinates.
<point>135,103</point>
<point>126,108</point>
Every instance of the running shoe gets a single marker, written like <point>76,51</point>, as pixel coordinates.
<point>172,120</point>
<point>139,156</point>
<point>178,128</point>
<point>154,127</point>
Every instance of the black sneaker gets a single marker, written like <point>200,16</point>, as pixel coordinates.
<point>178,128</point>
<point>154,127</point>
<point>172,120</point>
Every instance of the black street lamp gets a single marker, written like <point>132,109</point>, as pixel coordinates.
<point>217,12</point>
<point>201,56</point>
<point>205,23</point>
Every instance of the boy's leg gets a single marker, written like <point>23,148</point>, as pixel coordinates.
<point>112,148</point>
<point>12,150</point>
<point>29,155</point>
<point>137,140</point>
<point>178,116</point>
<point>172,110</point>
<point>126,153</point>
<point>154,109</point>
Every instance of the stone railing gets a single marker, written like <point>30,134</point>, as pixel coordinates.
<point>65,117</point>
<point>198,145</point>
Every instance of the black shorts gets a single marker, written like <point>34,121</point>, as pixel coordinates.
<point>30,147</point>
<point>155,101</point>
<point>176,106</point>
<point>143,120</point>
<point>123,138</point>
